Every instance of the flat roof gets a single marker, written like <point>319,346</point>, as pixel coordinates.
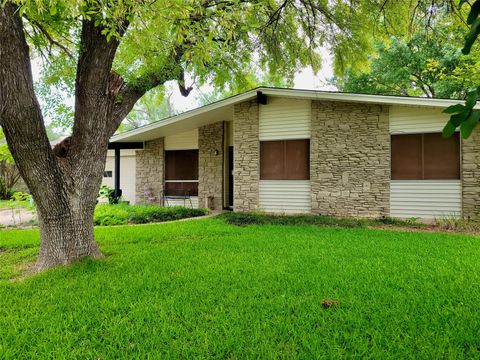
<point>222,110</point>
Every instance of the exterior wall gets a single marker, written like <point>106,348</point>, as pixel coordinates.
<point>350,159</point>
<point>210,165</point>
<point>246,156</point>
<point>471,175</point>
<point>426,199</point>
<point>285,119</point>
<point>127,171</point>
<point>183,141</point>
<point>149,170</point>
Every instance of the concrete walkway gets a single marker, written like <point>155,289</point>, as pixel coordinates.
<point>16,217</point>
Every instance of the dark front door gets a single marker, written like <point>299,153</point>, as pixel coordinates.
<point>230,176</point>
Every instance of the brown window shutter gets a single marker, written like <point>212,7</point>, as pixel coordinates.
<point>441,157</point>
<point>272,160</point>
<point>406,157</point>
<point>297,155</point>
<point>285,160</point>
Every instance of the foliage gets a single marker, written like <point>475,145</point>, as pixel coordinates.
<point>219,43</point>
<point>421,66</point>
<point>153,106</point>
<point>465,117</point>
<point>120,214</point>
<point>107,193</point>
<point>258,218</point>
<point>205,289</point>
<point>21,196</point>
<point>426,62</point>
<point>9,174</point>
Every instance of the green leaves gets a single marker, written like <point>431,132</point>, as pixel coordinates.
<point>474,23</point>
<point>464,117</point>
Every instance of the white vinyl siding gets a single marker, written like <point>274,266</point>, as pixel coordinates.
<point>285,196</point>
<point>285,119</point>
<point>182,202</point>
<point>183,141</point>
<point>411,120</point>
<point>127,173</point>
<point>426,199</point>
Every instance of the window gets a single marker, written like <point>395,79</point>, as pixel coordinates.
<point>107,174</point>
<point>285,160</point>
<point>425,157</point>
<point>181,173</point>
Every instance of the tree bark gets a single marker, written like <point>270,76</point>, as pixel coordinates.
<point>64,189</point>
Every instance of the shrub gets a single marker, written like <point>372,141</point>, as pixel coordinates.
<point>107,215</point>
<point>121,214</point>
<point>243,219</point>
<point>142,214</point>
<point>20,196</point>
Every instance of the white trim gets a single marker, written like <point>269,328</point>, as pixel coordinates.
<point>291,93</point>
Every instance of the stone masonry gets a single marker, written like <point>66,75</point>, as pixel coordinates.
<point>350,159</point>
<point>471,175</point>
<point>246,156</point>
<point>210,165</point>
<point>149,171</point>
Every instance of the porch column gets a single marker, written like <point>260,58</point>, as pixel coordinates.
<point>117,192</point>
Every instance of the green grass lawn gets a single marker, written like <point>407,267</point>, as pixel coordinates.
<point>206,289</point>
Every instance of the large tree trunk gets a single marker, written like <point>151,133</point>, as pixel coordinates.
<point>68,237</point>
<point>64,189</point>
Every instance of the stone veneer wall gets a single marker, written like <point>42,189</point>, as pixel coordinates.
<point>471,175</point>
<point>149,170</point>
<point>210,166</point>
<point>246,156</point>
<point>350,159</point>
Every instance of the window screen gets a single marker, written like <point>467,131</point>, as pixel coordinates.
<point>285,160</point>
<point>425,157</point>
<point>181,173</point>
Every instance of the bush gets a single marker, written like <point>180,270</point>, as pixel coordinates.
<point>243,219</point>
<point>107,215</point>
<point>20,196</point>
<point>141,214</point>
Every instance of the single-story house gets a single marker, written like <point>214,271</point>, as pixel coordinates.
<point>303,151</point>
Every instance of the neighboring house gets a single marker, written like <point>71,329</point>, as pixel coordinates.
<point>303,151</point>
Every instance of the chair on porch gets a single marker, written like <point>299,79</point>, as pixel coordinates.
<point>185,196</point>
